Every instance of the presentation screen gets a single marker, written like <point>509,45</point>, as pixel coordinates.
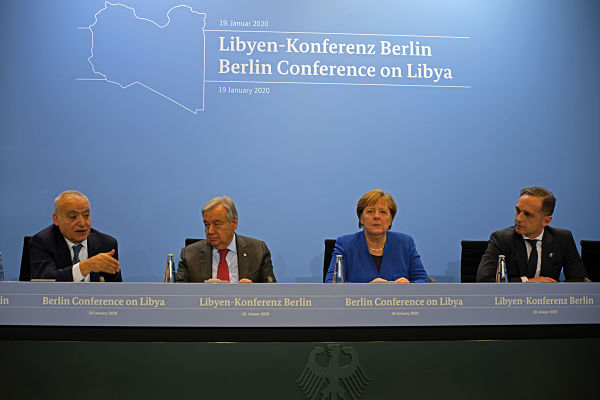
<point>295,109</point>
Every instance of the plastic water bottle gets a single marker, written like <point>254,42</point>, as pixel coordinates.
<point>170,270</point>
<point>501,275</point>
<point>338,272</point>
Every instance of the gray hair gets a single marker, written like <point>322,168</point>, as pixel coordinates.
<point>65,194</point>
<point>224,201</point>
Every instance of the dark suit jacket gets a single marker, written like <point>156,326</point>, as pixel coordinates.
<point>254,261</point>
<point>50,257</point>
<point>558,251</point>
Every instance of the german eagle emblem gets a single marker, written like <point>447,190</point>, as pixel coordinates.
<point>343,382</point>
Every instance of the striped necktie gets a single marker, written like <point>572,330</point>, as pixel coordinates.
<point>76,249</point>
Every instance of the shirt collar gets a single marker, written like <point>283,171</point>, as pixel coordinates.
<point>539,237</point>
<point>71,244</point>
<point>232,246</point>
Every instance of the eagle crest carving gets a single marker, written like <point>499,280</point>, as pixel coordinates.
<point>329,379</point>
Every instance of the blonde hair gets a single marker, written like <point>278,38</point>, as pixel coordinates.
<point>372,197</point>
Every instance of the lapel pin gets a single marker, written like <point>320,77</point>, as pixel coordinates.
<point>247,254</point>
<point>551,254</point>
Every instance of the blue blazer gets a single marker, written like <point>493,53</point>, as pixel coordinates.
<point>400,259</point>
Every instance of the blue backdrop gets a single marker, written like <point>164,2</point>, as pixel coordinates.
<point>131,105</point>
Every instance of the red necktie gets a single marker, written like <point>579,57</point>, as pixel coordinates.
<point>223,268</point>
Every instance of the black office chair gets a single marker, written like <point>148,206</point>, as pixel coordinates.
<point>470,257</point>
<point>189,241</point>
<point>329,246</point>
<point>25,273</point>
<point>590,254</point>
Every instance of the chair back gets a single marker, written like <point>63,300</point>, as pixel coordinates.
<point>189,241</point>
<point>590,255</point>
<point>470,257</point>
<point>329,246</point>
<point>25,273</point>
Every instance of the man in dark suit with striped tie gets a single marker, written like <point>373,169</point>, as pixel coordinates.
<point>534,251</point>
<point>70,250</point>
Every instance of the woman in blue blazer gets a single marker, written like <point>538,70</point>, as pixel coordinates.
<point>375,254</point>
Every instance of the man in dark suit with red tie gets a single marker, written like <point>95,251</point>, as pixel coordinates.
<point>70,250</point>
<point>224,255</point>
<point>534,251</point>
